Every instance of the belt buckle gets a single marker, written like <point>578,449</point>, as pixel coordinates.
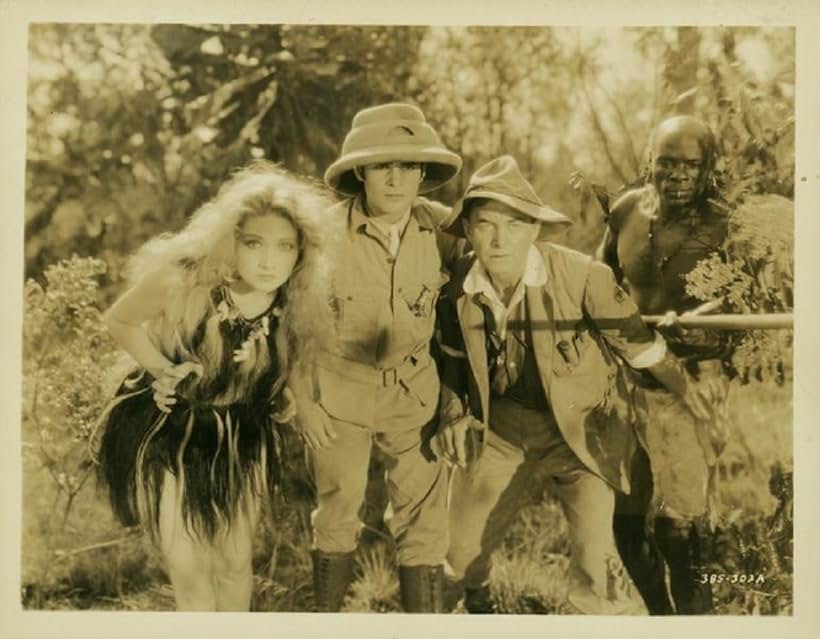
<point>390,377</point>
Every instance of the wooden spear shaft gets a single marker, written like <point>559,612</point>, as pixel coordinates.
<point>731,322</point>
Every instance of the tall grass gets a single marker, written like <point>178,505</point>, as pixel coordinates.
<point>529,572</point>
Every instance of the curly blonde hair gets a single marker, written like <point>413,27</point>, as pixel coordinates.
<point>202,256</point>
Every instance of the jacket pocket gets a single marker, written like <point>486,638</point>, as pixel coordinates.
<point>576,353</point>
<point>355,315</point>
<point>421,298</point>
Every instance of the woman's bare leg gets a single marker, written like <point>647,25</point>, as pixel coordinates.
<point>188,559</point>
<point>233,555</point>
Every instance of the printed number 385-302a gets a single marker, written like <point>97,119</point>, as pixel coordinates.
<point>735,578</point>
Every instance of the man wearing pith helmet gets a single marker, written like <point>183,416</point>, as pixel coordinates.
<point>380,384</point>
<point>532,400</point>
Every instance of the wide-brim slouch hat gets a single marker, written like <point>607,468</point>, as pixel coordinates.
<point>501,180</point>
<point>392,132</point>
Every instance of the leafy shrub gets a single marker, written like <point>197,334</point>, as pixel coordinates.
<point>754,274</point>
<point>68,357</point>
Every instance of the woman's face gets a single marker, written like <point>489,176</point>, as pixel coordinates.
<point>266,252</point>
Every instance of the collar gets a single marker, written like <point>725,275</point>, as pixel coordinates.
<point>478,280</point>
<point>386,228</point>
<point>359,219</point>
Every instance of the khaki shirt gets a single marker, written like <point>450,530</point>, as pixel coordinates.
<point>380,374</point>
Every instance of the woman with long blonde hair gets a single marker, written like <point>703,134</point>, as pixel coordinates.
<point>216,316</point>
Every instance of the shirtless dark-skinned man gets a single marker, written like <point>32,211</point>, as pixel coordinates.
<point>655,235</point>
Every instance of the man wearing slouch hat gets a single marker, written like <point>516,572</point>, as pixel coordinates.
<point>379,384</point>
<point>532,396</point>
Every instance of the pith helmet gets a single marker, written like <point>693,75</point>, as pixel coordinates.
<point>390,133</point>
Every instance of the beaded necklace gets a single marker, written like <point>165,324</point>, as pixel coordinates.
<point>253,329</point>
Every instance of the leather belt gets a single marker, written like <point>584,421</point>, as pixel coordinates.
<point>374,374</point>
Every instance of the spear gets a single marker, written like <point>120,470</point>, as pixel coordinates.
<point>730,321</point>
<point>698,318</point>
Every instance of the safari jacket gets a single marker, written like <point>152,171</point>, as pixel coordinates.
<point>380,373</point>
<point>581,321</point>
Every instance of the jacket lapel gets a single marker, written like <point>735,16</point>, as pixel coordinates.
<point>471,320</point>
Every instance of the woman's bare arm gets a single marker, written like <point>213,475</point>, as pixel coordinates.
<point>126,320</point>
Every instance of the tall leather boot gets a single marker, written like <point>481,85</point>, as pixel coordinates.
<point>637,547</point>
<point>643,561</point>
<point>332,574</point>
<point>680,543</point>
<point>422,588</point>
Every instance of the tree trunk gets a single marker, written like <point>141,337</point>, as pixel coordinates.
<point>682,68</point>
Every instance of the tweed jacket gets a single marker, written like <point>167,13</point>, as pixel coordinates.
<point>582,323</point>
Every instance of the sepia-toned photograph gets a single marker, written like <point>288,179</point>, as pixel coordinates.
<point>408,318</point>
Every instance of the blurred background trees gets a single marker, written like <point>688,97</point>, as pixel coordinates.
<point>131,127</point>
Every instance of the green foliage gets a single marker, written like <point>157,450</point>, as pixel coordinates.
<point>755,274</point>
<point>376,589</point>
<point>67,355</point>
<point>268,85</point>
<point>505,78</point>
<point>753,504</point>
<point>97,136</point>
<point>753,116</point>
<point>132,126</point>
<point>493,90</point>
<point>750,108</point>
<point>739,80</point>
<point>753,119</point>
<point>282,563</point>
<point>529,574</point>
